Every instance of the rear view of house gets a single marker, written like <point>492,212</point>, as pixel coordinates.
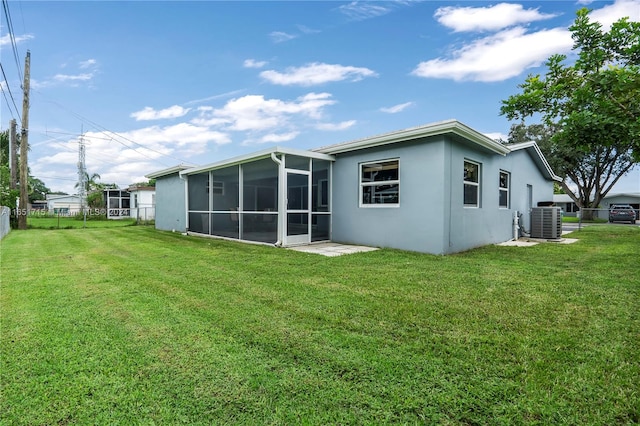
<point>440,188</point>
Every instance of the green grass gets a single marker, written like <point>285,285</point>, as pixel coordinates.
<point>134,326</point>
<point>571,219</point>
<point>71,222</point>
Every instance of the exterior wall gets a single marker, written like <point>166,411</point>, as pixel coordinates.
<point>170,203</point>
<point>431,217</point>
<point>417,223</point>
<point>469,227</point>
<point>69,202</point>
<point>144,209</point>
<point>489,224</point>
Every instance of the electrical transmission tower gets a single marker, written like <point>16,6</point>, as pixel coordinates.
<point>82,173</point>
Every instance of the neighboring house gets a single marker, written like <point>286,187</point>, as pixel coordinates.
<point>570,208</point>
<point>440,188</point>
<point>118,203</point>
<point>64,204</point>
<point>142,201</point>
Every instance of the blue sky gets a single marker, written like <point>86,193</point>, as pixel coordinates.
<point>155,84</point>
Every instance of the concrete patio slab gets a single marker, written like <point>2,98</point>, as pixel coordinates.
<point>332,249</point>
<point>528,242</point>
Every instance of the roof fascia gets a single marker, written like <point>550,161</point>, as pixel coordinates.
<point>434,129</point>
<point>168,171</point>
<point>265,153</point>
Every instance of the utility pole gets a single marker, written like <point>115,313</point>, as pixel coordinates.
<point>24,146</point>
<point>82,178</point>
<point>13,154</point>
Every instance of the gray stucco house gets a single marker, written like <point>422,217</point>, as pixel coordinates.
<point>440,188</point>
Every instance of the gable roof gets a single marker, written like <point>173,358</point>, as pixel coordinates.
<point>534,151</point>
<point>434,129</point>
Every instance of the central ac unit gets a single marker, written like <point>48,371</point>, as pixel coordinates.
<point>546,223</point>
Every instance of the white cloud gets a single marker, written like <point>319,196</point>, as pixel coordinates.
<point>397,108</point>
<point>148,113</point>
<point>359,10</point>
<point>496,136</point>
<point>332,127</point>
<point>316,73</point>
<point>306,30</point>
<point>89,63</point>
<point>280,37</point>
<point>73,78</point>
<point>277,138</point>
<point>252,63</point>
<point>254,113</point>
<point>125,157</point>
<point>608,14</point>
<point>490,18</point>
<point>498,57</point>
<point>6,39</point>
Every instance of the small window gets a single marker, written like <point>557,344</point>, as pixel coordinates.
<point>380,183</point>
<point>505,182</point>
<point>471,184</point>
<point>217,187</point>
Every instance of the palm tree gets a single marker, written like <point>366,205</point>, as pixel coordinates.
<point>91,183</point>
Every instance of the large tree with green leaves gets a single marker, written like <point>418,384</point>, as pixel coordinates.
<point>590,110</point>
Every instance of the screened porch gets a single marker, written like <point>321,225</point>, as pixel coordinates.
<point>279,196</point>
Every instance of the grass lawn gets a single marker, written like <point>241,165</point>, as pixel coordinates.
<point>70,222</point>
<point>134,326</point>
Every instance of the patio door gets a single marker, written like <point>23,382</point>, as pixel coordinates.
<point>297,223</point>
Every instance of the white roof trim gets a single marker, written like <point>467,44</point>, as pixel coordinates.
<point>433,129</point>
<point>533,147</point>
<point>168,171</point>
<point>265,153</point>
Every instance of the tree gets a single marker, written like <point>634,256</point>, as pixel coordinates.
<point>590,110</point>
<point>37,189</point>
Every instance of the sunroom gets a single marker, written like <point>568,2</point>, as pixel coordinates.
<point>277,196</point>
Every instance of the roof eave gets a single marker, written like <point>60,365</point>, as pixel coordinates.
<point>434,129</point>
<point>266,153</point>
<point>168,171</point>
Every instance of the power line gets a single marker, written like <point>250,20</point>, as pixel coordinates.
<point>10,94</point>
<point>7,14</point>
<point>114,135</point>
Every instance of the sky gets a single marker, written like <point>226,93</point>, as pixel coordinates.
<point>148,85</point>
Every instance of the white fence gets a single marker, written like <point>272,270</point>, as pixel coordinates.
<point>142,215</point>
<point>5,226</point>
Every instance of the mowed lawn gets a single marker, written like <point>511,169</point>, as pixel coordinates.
<point>135,326</point>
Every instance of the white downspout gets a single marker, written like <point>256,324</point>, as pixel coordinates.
<point>281,198</point>
<point>516,225</point>
<point>186,201</point>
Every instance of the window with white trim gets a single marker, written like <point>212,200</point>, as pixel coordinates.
<point>505,183</point>
<point>471,184</point>
<point>380,183</point>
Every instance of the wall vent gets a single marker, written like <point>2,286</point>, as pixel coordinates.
<point>546,223</point>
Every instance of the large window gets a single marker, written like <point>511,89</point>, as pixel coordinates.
<point>505,182</point>
<point>380,183</point>
<point>471,184</point>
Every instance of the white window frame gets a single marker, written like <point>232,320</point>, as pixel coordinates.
<point>217,187</point>
<point>507,190</point>
<point>377,183</point>
<point>477,184</point>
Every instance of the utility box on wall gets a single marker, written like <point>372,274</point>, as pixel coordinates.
<point>546,223</point>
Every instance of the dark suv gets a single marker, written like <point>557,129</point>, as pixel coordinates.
<point>622,213</point>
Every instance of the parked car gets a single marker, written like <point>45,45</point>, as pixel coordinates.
<point>622,213</point>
